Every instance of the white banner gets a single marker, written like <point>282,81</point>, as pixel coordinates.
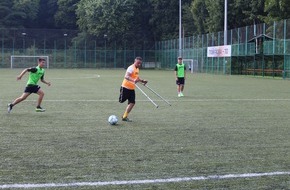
<point>219,51</point>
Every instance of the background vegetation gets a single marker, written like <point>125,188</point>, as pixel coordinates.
<point>138,21</point>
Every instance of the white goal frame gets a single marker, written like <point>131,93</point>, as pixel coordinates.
<point>191,64</point>
<point>30,56</point>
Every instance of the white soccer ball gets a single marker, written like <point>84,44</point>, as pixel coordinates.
<point>113,120</point>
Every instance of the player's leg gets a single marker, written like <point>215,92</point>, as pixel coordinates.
<point>21,98</point>
<point>122,95</point>
<point>131,104</point>
<point>40,94</point>
<point>181,89</point>
<point>182,81</point>
<point>178,87</point>
<point>127,111</point>
<point>18,100</point>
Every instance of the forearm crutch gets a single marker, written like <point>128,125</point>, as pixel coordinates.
<point>157,94</point>
<point>147,96</point>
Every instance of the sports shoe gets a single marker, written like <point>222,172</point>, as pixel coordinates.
<point>39,109</point>
<point>9,107</point>
<point>126,119</point>
<point>181,94</point>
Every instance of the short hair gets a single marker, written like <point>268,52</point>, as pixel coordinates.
<point>139,58</point>
<point>41,59</point>
<point>179,57</point>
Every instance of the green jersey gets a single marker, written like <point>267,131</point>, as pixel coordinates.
<point>35,74</point>
<point>180,70</point>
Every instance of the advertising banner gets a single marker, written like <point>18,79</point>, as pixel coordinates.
<point>219,51</point>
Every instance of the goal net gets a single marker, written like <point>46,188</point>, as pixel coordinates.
<point>191,64</point>
<point>26,61</point>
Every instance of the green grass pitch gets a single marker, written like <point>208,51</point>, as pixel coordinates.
<point>223,125</point>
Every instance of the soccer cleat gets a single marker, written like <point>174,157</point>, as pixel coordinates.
<point>39,109</point>
<point>126,119</point>
<point>9,108</point>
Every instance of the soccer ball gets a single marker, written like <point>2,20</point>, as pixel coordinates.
<point>113,120</point>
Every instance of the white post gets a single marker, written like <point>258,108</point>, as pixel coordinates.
<point>226,23</point>
<point>180,28</point>
<point>225,31</point>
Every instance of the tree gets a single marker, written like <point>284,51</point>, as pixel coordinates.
<point>277,10</point>
<point>10,18</point>
<point>165,18</point>
<point>199,14</point>
<point>111,17</point>
<point>209,14</point>
<point>29,8</point>
<point>48,9</point>
<point>188,24</point>
<point>140,28</point>
<point>238,13</point>
<point>256,12</point>
<point>215,19</point>
<point>65,16</point>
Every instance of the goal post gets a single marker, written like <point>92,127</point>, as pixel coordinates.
<point>26,61</point>
<point>192,64</point>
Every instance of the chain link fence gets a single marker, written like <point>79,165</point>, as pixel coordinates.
<point>258,50</point>
<point>68,49</point>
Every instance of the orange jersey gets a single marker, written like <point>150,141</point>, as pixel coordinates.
<point>134,74</point>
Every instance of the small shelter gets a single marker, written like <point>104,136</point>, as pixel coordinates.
<point>259,41</point>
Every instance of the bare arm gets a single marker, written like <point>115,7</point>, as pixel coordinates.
<point>21,74</point>
<point>45,82</point>
<point>127,77</point>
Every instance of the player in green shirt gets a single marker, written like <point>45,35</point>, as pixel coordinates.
<point>36,74</point>
<point>180,72</point>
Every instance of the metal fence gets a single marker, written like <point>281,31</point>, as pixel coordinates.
<point>68,49</point>
<point>258,50</point>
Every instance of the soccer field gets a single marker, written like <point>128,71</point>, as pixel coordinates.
<point>227,132</point>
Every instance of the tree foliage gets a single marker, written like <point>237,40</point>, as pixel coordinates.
<point>138,22</point>
<point>65,16</point>
<point>12,15</point>
<point>29,8</point>
<point>110,17</point>
<point>277,9</point>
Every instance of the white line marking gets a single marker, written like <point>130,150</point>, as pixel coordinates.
<point>148,181</point>
<point>176,100</point>
<point>179,100</point>
<point>76,78</point>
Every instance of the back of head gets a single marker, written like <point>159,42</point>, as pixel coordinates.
<point>40,59</point>
<point>138,58</point>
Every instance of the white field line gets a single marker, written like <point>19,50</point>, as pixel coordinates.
<point>176,100</point>
<point>76,78</point>
<point>148,181</point>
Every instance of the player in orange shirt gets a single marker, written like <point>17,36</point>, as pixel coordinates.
<point>127,90</point>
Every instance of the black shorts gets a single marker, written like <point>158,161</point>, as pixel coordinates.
<point>31,89</point>
<point>127,94</point>
<point>180,81</point>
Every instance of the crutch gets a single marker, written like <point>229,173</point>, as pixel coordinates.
<point>147,96</point>
<point>157,94</point>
